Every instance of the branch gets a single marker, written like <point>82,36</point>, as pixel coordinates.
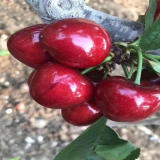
<point>120,29</point>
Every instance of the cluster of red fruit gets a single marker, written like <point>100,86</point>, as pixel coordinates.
<point>58,52</point>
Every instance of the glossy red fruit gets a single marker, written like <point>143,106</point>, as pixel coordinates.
<point>56,86</point>
<point>83,114</point>
<point>158,10</point>
<point>122,100</point>
<point>24,45</point>
<point>76,42</point>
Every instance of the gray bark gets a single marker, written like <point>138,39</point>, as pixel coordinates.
<point>53,10</point>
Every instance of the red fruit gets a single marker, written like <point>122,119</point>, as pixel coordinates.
<point>122,100</point>
<point>83,114</point>
<point>158,10</point>
<point>24,45</point>
<point>76,42</point>
<point>56,86</point>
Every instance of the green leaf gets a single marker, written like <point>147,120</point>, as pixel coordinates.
<point>150,40</point>
<point>15,159</point>
<point>149,18</point>
<point>4,53</point>
<point>95,142</point>
<point>121,151</point>
<point>155,66</point>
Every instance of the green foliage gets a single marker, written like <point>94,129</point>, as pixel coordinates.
<point>99,142</point>
<point>150,40</point>
<point>155,66</point>
<point>149,18</point>
<point>15,159</point>
<point>4,53</point>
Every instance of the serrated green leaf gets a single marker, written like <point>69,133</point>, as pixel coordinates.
<point>150,40</point>
<point>149,18</point>
<point>155,66</point>
<point>87,146</point>
<point>4,53</point>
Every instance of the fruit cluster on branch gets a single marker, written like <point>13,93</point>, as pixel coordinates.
<point>72,59</point>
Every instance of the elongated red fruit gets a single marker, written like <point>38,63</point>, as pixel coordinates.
<point>83,114</point>
<point>122,100</point>
<point>76,42</point>
<point>25,46</point>
<point>56,86</point>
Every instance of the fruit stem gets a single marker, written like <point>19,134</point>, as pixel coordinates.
<point>88,70</point>
<point>140,63</point>
<point>136,43</point>
<point>105,75</point>
<point>125,69</point>
<point>109,58</point>
<point>121,44</point>
<point>131,71</point>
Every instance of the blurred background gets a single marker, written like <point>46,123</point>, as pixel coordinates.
<point>31,132</point>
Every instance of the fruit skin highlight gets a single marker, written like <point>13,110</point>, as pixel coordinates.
<point>83,114</point>
<point>25,46</point>
<point>57,86</point>
<point>122,100</point>
<point>77,42</point>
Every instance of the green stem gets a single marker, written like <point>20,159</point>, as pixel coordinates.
<point>140,64</point>
<point>105,75</point>
<point>136,43</point>
<point>88,70</point>
<point>121,44</point>
<point>131,71</point>
<point>109,58</point>
<point>125,69</point>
